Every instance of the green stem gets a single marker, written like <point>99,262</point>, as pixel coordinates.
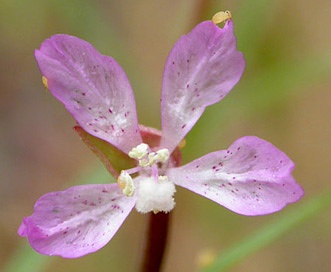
<point>156,242</point>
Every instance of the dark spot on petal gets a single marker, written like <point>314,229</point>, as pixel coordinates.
<point>55,210</point>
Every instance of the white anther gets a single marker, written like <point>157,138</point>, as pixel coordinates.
<point>163,179</point>
<point>161,155</point>
<point>125,182</point>
<point>139,152</point>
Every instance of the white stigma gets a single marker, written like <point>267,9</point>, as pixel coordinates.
<point>155,196</point>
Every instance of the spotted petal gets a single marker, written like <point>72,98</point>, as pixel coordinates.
<point>252,177</point>
<point>77,221</point>
<point>201,69</point>
<point>93,88</point>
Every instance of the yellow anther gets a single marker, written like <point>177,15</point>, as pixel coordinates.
<point>182,144</point>
<point>221,16</point>
<point>125,182</point>
<point>44,81</point>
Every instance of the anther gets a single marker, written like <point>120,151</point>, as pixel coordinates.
<point>221,16</point>
<point>139,152</point>
<point>44,81</point>
<point>161,155</point>
<point>125,182</point>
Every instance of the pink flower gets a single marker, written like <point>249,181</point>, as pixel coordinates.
<point>251,177</point>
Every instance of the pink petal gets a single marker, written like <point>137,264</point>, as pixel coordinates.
<point>252,177</point>
<point>93,88</point>
<point>201,69</point>
<point>77,221</point>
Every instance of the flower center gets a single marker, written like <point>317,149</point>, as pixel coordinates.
<point>154,192</point>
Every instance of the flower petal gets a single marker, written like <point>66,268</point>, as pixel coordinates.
<point>252,177</point>
<point>201,69</point>
<point>77,221</point>
<point>93,88</point>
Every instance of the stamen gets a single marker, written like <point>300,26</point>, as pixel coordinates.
<point>161,155</point>
<point>125,182</point>
<point>182,144</point>
<point>163,179</point>
<point>221,16</point>
<point>146,158</point>
<point>44,81</point>
<point>139,152</point>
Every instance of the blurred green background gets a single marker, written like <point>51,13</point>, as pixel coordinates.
<point>283,97</point>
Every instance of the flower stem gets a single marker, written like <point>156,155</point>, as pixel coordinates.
<point>156,242</point>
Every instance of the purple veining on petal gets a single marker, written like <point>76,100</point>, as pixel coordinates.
<point>252,177</point>
<point>77,221</point>
<point>93,88</point>
<point>201,69</point>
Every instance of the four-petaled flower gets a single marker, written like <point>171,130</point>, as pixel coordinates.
<point>251,177</point>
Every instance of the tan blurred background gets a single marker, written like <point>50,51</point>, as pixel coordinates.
<point>283,97</point>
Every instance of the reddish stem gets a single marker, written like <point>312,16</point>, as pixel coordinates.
<point>156,242</point>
